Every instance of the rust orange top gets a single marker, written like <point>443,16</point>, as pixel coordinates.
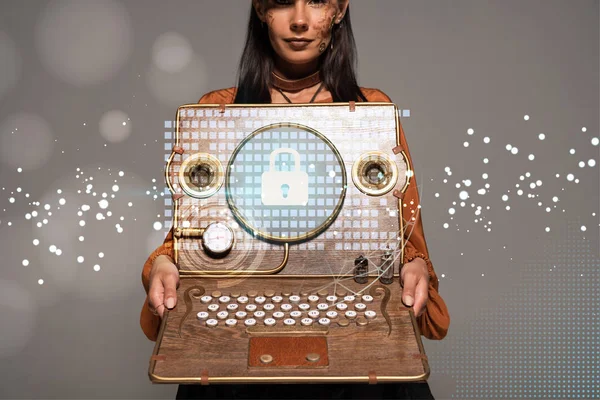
<point>433,323</point>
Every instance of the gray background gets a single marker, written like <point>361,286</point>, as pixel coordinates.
<point>523,302</point>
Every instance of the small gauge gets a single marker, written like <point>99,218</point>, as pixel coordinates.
<point>217,239</point>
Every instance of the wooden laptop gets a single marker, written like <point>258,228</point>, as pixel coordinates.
<point>289,240</point>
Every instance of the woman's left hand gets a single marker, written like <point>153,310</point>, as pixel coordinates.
<point>414,278</point>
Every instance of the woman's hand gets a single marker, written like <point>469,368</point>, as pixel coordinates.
<point>164,280</point>
<point>414,278</point>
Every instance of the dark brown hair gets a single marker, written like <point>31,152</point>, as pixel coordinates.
<point>338,66</point>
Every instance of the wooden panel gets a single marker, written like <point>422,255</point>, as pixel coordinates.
<point>388,347</point>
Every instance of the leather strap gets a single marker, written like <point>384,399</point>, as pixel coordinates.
<point>296,84</point>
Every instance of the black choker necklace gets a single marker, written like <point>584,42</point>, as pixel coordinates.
<point>311,100</point>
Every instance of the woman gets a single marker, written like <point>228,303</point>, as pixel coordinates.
<point>303,51</point>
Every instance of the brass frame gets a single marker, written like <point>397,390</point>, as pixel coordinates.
<point>328,221</point>
<point>357,180</point>
<point>214,188</point>
<point>228,273</point>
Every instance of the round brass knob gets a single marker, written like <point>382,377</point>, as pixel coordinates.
<point>266,359</point>
<point>313,357</point>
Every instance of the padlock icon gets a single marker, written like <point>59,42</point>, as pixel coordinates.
<point>284,188</point>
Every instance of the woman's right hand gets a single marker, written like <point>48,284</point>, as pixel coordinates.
<point>164,280</point>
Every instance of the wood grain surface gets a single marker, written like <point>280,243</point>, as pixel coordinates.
<point>388,348</point>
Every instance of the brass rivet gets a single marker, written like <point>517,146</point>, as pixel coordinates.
<point>313,357</point>
<point>266,358</point>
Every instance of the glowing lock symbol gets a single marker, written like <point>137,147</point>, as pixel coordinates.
<point>284,188</point>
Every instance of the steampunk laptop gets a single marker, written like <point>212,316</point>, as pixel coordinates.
<point>289,237</point>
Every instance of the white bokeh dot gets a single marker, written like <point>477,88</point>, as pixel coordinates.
<point>541,136</point>
<point>84,42</point>
<point>80,259</point>
<point>115,126</point>
<point>171,52</point>
<point>10,64</point>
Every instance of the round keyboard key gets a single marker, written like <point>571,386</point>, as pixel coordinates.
<point>295,314</point>
<point>269,293</point>
<point>349,299</point>
<point>306,321</point>
<point>304,293</point>
<point>332,298</point>
<point>235,294</point>
<point>206,299</point>
<point>322,306</point>
<point>250,322</point>
<point>224,299</point>
<point>341,292</point>
<point>213,307</point>
<point>232,307</point>
<point>212,322</point>
<point>269,307</point>
<point>332,314</point>
<point>361,321</point>
<point>370,314</point>
<point>260,299</point>
<point>294,299</point>
<point>360,307</point>
<point>278,315</point>
<point>252,293</point>
<point>222,315</point>
<point>202,315</point>
<point>259,314</point>
<point>367,299</point>
<point>251,307</point>
<point>242,299</point>
<point>343,322</point>
<point>231,322</point>
<point>313,299</point>
<point>350,314</point>
<point>286,307</point>
<point>276,299</point>
<point>216,294</point>
<point>304,306</point>
<point>289,322</point>
<point>270,322</point>
<point>323,292</point>
<point>341,306</point>
<point>286,292</point>
<point>241,314</point>
<point>314,314</point>
<point>324,321</point>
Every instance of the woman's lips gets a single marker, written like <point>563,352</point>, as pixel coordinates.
<point>298,44</point>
